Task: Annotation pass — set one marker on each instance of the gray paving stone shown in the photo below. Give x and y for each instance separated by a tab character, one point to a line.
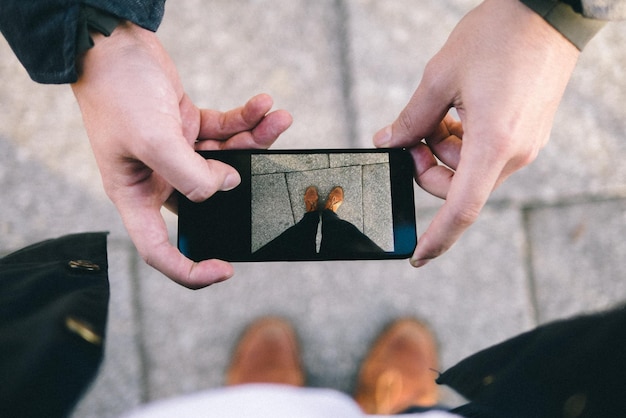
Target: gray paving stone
285	163
41	203
377	214
228	51
578	257
271	208
340	160
119	385
277	199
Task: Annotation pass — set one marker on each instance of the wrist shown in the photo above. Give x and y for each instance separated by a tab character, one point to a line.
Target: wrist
567	20
92	23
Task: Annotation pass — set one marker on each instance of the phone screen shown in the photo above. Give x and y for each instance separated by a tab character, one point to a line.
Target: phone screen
297	205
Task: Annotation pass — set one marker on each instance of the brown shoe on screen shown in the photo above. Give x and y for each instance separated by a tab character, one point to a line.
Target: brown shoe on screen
311	197
335	199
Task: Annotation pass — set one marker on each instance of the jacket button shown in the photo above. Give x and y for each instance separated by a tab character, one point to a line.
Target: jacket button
83	330
84	265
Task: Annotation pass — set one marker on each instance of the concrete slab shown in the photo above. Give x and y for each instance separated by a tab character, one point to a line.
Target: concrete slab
366	193
377	215
271	208
578	257
228	51
41	202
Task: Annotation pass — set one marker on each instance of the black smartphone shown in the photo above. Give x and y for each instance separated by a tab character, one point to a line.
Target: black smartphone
299	205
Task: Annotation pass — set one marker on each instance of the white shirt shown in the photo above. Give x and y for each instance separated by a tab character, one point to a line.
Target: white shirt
260	401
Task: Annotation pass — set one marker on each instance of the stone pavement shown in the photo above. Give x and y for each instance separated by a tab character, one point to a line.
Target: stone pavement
549	244
279	183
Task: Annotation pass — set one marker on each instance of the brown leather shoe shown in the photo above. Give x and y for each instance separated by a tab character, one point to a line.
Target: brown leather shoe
399	370
267	353
335	199
311	197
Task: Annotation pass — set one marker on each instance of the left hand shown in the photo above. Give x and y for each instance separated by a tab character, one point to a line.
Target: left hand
144	131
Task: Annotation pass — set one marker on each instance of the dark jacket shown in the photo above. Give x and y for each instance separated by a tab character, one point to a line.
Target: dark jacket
44	33
569	368
53	309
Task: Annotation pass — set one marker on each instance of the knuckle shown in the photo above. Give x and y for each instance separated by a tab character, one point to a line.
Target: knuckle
433	80
405	122
527	157
466	215
199	193
507	146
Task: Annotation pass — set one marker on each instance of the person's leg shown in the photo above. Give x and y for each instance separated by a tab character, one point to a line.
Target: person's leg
298	241
267	352
398	375
340	238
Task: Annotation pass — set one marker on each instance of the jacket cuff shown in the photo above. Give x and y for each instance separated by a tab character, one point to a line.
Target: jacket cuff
45	34
576	28
92	19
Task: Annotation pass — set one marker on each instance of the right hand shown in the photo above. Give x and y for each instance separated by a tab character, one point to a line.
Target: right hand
504	69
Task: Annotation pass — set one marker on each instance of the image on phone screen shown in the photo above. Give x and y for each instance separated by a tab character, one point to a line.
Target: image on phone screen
305	205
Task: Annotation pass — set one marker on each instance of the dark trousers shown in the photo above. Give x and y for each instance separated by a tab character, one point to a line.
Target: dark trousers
340	239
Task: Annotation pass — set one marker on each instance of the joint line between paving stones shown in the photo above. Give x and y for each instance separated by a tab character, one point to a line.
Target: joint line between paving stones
293	215
346	73
531	280
144	381
536	204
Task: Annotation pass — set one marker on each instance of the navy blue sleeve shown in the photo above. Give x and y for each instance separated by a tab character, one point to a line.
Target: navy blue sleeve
43	33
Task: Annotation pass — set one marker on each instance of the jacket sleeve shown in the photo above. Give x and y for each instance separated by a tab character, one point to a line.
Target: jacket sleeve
578	20
44	33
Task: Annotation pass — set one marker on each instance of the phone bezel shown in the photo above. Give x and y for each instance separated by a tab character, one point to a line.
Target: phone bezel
195	227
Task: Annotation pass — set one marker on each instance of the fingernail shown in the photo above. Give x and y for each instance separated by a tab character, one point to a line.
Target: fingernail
231	181
418	263
383	137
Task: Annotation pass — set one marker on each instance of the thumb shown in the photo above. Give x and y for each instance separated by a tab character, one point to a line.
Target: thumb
189	172
421	116
211	176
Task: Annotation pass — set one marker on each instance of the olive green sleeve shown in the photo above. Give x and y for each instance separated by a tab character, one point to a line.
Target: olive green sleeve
572	25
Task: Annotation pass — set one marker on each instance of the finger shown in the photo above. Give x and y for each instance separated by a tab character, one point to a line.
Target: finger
188	172
148	231
446	142
429	175
421	116
193	275
262	136
223	125
469	190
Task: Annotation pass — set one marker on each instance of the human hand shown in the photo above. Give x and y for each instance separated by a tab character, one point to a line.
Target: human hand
144	131
504	69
